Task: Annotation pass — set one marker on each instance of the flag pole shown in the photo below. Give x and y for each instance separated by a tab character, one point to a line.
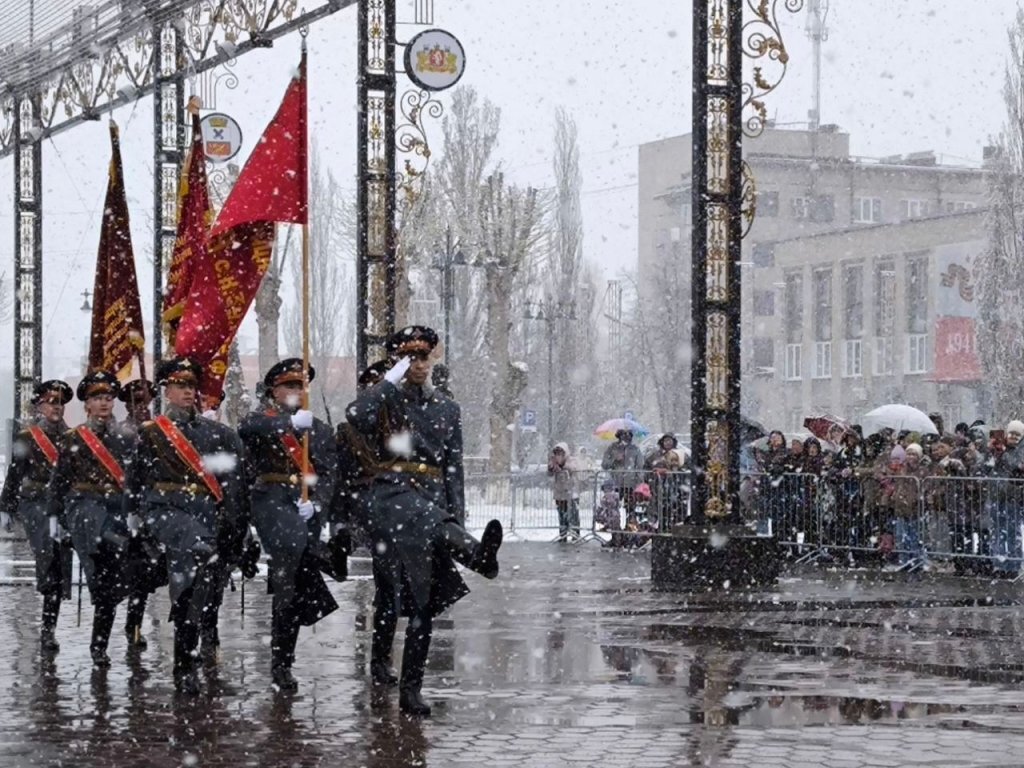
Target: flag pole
305	276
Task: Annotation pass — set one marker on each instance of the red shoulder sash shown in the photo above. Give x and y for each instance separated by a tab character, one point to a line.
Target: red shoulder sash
99	450
293	447
45	444
188	454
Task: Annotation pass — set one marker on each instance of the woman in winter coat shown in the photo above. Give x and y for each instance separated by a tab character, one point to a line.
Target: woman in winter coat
562	469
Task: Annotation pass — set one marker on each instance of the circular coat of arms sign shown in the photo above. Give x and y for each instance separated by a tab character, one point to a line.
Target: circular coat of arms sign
222	137
435	60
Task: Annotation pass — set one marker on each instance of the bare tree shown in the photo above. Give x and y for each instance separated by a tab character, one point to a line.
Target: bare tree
509	231
1001	268
331	289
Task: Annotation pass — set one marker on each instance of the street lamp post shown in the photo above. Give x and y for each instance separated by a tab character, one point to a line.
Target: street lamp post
445	262
548	312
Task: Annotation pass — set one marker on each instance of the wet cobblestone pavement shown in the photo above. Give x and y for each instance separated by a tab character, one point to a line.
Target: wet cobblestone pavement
570	658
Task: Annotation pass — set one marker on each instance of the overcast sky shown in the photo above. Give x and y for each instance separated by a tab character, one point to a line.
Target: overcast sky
899	76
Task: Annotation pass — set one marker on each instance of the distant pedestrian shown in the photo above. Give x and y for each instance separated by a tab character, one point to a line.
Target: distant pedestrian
625	462
563	470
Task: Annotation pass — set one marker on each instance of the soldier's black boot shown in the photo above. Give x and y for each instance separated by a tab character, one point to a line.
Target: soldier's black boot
186	678
385	617
480	556
283	637
47	634
414	662
102	624
133	622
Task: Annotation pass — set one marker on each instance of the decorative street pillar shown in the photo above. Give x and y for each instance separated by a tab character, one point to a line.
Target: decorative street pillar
717	241
376	184
714	547
28	250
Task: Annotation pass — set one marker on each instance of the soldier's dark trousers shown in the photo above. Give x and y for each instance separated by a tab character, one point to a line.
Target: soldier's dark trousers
385	619
188	616
133	621
284	634
211	616
102	624
51	610
417	647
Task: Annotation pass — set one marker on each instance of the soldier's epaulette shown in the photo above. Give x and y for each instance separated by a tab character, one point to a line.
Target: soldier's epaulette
147	423
71	432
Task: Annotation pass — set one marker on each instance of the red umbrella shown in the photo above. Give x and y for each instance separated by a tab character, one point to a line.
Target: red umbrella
827	427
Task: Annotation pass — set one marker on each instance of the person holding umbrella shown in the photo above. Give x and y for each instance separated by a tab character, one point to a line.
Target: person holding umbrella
624	460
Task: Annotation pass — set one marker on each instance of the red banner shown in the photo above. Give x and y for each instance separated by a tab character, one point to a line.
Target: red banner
117	334
194	216
273	183
223	287
956	350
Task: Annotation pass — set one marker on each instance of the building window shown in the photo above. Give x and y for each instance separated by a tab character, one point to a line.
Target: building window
917	353
885	298
916	209
883	356
764	254
794	307
802	208
767	204
794	361
822	305
917	295
764	303
853	301
852	358
959	206
867	210
822	359
764	353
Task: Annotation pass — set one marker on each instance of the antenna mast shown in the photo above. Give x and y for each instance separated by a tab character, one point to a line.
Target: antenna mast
817	13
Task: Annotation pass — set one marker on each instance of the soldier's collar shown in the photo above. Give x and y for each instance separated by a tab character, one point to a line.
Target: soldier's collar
179	414
426	389
99	427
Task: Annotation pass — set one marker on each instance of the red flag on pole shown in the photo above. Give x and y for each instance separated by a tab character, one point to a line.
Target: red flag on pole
194	218
272	185
271	188
117	332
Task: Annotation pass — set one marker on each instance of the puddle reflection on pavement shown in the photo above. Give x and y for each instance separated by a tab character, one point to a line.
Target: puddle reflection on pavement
571	658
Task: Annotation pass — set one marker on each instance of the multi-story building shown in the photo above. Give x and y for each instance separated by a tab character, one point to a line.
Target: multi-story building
843	271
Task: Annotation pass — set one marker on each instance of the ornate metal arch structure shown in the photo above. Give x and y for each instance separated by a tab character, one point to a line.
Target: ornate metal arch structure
91	59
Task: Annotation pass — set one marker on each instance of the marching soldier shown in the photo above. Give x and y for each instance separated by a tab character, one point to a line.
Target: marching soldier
137	396
86	498
186	486
34	455
415	508
289	527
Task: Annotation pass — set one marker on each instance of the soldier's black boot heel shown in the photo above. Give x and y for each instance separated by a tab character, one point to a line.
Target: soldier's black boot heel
102	624
381	674
411	702
133	623
47	635
480	556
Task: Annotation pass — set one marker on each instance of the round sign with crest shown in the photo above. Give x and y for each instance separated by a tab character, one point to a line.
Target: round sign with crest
435	60
222	137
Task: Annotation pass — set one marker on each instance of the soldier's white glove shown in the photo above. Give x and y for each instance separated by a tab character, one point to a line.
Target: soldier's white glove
5	521
211	415
134	524
56	532
398	371
306	510
302	420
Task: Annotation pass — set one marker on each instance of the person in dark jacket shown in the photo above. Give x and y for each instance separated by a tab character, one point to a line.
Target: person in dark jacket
33	457
186	487
85	497
625	462
413	440
289	521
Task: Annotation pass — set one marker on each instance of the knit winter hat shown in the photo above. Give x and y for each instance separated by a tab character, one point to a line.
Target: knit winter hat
1016	427
897	454
915	449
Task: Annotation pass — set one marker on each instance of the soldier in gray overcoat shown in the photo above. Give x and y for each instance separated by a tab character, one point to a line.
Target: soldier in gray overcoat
186	487
411	446
33	457
289	527
86	498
